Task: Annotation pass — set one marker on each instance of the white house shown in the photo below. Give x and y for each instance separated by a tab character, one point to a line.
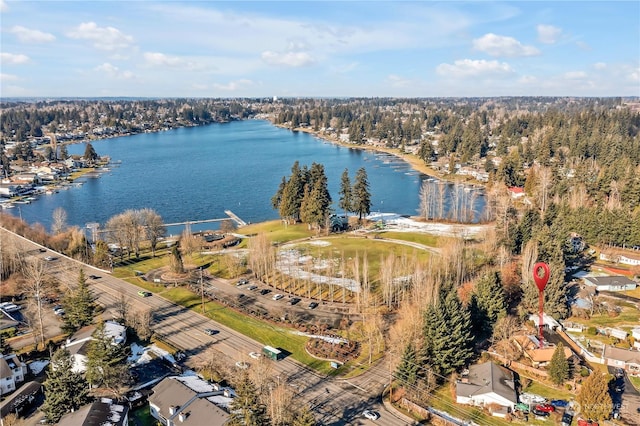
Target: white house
78	344
635	332
622	358
613	283
487	384
12	372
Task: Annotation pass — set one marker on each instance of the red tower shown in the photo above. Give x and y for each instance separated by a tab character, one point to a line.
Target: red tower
541	277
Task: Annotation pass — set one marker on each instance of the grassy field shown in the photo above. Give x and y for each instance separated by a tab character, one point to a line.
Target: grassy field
548	392
426	239
277	232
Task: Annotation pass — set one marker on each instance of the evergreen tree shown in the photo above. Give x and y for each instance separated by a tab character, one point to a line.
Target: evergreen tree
303	417
64	154
407	370
106	362
246	409
79	306
346	196
177	265
594	399
559	366
4	346
447	332
90	154
490	301
361	195
64	389
292	194
277	197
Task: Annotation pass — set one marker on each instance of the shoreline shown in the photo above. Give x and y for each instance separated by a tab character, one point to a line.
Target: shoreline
416	163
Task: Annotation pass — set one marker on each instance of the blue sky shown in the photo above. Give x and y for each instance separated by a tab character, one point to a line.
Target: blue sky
319	48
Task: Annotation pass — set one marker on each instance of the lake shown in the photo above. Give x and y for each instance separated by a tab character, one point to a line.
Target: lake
197	173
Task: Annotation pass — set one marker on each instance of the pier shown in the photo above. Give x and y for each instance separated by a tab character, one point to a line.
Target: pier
229	213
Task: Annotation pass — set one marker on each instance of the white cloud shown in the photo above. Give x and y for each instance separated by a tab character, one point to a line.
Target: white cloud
288	59
232	86
158	59
8	77
575	75
600	65
27	35
3	6
528	79
497	45
548	34
634	75
474	68
103	38
13	59
397	81
114	72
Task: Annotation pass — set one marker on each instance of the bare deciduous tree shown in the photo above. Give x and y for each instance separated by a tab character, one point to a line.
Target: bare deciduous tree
59	223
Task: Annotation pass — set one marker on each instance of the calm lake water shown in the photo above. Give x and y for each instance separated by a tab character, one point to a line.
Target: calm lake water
199	172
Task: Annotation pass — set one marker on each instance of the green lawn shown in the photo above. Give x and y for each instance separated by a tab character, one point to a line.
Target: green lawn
426	239
141	417
262	331
548	392
277	232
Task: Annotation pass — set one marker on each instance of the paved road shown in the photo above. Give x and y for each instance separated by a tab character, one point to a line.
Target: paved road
335	402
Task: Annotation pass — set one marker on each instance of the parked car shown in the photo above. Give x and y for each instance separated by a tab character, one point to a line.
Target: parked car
540	413
242	281
49	258
371	415
242	365
559	403
42	250
567	418
94	277
265	291
520	406
252	287
255	355
211	331
59	311
294	300
277	296
144	293
619	373
547	408
313	305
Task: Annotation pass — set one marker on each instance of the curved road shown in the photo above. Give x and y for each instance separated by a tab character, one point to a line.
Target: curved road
334	401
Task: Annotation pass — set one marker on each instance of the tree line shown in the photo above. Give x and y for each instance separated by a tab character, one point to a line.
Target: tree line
305	197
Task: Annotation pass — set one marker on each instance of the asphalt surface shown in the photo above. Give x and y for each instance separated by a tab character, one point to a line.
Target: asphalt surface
333	401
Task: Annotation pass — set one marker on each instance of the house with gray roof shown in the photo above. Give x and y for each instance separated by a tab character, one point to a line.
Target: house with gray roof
486	384
613	283
99	413
189	400
627	359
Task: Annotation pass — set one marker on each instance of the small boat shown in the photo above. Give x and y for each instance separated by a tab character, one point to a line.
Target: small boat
7	206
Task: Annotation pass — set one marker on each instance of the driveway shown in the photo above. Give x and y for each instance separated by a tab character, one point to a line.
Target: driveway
627	397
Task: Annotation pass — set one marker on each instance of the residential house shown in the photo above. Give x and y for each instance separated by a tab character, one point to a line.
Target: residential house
189	400
516	192
78	344
485	385
12	372
21	400
635	333
99	413
623	257
613	283
627	359
540	357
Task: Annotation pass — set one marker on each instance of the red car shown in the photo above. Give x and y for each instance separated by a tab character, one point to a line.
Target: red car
583	422
547	408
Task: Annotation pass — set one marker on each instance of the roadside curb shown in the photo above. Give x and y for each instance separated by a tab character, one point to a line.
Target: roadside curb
391	408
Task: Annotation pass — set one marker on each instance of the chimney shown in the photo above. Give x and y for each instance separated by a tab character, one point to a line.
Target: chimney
182	416
227	393
172	410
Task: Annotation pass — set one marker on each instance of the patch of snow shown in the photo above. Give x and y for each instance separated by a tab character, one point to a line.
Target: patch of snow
142	355
290	263
36	367
396	222
321	243
330	339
